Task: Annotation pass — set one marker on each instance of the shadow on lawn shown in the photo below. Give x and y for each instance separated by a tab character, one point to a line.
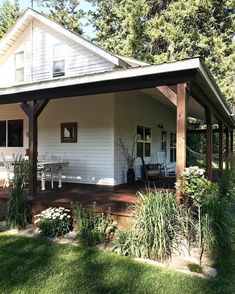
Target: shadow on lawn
21	259
30	265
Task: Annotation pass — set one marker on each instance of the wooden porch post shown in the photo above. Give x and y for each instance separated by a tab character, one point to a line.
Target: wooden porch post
221	126
208	117
33	109
227	149
181	121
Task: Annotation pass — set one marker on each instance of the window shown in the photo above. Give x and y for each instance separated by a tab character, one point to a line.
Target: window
143	141
164	141
19	67
172	147
58	60
68	132
11	133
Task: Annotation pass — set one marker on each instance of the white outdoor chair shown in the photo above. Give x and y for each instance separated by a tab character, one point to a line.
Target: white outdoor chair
8	161
168	168
56	171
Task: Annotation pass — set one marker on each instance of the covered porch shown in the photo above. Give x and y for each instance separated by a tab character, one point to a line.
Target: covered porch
178	83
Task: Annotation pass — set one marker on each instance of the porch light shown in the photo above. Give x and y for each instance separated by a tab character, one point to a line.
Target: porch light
161	126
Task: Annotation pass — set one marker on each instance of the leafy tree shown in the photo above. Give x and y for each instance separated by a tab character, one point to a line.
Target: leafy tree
163	30
65	13
9	12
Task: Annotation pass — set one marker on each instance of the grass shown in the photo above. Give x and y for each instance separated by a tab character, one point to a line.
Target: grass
30	265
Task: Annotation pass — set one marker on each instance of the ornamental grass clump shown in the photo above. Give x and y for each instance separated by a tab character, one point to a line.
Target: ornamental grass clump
155	225
54	222
18	213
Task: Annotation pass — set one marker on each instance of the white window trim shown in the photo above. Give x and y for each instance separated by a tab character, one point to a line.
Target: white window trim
20	67
53	60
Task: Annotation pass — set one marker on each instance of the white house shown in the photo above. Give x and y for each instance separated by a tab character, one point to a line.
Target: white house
106	96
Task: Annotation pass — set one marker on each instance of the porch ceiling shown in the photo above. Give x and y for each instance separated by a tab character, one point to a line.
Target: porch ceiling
192	70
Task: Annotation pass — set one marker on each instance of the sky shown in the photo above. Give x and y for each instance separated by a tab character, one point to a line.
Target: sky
88	30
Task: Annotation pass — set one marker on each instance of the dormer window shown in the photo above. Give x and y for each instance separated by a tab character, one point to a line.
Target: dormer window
19	67
58	60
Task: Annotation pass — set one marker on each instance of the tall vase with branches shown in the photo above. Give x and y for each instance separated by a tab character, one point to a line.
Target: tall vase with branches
129	153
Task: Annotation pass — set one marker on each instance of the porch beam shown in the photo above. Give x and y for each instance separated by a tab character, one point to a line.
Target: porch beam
41	104
168	93
208	117
199	95
220	148
32	109
181	119
99	87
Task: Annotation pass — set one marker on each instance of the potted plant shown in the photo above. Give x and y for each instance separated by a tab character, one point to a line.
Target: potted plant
129	153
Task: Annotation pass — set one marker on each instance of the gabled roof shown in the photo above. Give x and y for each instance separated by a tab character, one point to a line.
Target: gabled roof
13	34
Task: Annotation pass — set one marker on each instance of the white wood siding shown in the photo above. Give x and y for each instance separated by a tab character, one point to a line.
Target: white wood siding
91	158
37	42
134	108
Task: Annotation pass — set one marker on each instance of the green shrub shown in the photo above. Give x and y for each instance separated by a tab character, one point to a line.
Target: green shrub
160	225
122	243
211	214
54	222
17	210
93	227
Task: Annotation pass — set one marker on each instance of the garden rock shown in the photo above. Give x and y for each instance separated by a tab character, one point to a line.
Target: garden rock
210	272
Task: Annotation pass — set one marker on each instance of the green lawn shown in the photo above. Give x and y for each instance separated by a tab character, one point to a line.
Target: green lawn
30	265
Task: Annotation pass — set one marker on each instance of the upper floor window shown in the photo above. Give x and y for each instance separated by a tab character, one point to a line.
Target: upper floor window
58	60
11	133
19	67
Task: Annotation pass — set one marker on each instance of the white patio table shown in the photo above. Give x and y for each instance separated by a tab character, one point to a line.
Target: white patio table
51	166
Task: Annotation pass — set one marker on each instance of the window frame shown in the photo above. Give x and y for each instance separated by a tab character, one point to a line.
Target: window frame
144	141
172	147
19	67
164	141
73	126
59	59
7	133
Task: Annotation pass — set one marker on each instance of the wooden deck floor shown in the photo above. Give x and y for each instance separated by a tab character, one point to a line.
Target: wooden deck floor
119	198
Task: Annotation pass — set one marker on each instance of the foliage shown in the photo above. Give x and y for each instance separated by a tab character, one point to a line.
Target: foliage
54	222
194	183
154	225
122	243
159	31
9	12
65	13
93	227
228	180
18	211
210	211
129	152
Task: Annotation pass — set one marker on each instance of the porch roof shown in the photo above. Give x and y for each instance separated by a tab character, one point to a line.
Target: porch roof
192	70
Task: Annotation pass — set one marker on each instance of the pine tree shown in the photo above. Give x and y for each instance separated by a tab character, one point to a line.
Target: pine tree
163	30
66	13
9	12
